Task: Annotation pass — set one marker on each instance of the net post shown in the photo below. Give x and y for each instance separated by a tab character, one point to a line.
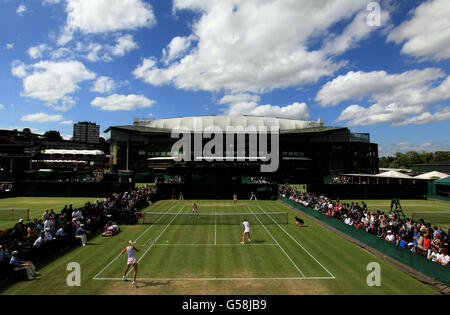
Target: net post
28	214
287	218
12	214
412	216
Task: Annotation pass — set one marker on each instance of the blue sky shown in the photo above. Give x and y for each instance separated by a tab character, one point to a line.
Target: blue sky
381	67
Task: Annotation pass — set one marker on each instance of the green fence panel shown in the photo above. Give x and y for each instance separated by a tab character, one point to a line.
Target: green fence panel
405	256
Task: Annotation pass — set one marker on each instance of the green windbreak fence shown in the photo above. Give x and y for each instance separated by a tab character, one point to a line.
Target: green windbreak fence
415	261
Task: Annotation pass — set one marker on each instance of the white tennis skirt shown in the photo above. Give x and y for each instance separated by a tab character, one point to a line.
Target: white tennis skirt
131	261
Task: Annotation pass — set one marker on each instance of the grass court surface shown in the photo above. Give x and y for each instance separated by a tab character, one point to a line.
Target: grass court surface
198	258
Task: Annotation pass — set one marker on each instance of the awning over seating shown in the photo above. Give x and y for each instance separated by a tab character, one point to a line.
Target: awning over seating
394	174
432	175
74	152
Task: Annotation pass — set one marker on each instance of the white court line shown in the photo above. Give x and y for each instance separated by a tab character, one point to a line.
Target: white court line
298	269
219	279
296	242
215	229
240	245
167	211
156	239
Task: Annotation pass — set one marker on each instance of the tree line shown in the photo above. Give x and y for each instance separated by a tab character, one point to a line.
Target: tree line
405	160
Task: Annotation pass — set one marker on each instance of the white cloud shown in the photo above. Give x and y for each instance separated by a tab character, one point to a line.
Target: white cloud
67	137
9	46
176	48
393	113
427	34
247	104
124	44
239	98
66	122
52	82
411	87
427	118
399	99
253	45
47	2
101	16
2	107
117	102
42	118
356	31
104	85
21	9
36	52
389	149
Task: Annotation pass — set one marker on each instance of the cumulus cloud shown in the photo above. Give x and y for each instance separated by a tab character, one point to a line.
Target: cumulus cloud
52	82
102	16
66	122
104	85
117	102
9	46
42	118
399	99
411	87
247	104
36	52
21	9
427	34
253	45
123	45
427	118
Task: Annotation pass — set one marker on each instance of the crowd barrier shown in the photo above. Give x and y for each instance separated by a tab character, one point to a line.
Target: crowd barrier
404	256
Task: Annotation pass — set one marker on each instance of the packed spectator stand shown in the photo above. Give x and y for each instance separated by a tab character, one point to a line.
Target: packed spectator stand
419	237
53	233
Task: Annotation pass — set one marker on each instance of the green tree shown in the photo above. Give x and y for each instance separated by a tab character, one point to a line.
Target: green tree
52	135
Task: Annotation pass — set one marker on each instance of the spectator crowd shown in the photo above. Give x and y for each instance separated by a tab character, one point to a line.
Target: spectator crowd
53	232
419	237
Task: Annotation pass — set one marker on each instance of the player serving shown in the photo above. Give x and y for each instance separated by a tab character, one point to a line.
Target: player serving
194	210
132	260
246	226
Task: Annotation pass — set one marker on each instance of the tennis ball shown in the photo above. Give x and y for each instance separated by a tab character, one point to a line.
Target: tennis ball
167	241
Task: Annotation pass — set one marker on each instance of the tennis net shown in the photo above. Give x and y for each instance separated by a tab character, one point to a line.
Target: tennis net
164	218
12	214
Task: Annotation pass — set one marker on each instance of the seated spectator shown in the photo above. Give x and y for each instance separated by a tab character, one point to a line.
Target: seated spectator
390	237
444	258
47	235
40	240
81	234
28	266
4	254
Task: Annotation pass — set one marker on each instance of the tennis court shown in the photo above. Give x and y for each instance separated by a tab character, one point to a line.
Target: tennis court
209	246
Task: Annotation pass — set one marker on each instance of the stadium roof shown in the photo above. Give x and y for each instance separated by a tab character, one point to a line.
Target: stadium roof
432	175
167	125
393	174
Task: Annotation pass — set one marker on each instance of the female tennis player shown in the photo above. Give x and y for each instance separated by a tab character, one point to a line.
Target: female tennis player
194	210
132	260
234	199
246	226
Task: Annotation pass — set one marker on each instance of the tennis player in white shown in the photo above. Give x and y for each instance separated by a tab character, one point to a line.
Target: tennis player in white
194	210
132	260
246	226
